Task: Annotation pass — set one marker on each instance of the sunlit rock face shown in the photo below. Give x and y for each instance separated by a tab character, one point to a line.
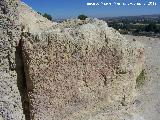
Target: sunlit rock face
78	69
31	21
10	99
74	70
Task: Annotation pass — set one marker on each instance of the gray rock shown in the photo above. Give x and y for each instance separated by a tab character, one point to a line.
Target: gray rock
10	99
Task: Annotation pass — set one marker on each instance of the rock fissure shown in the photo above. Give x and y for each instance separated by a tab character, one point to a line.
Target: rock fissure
21	80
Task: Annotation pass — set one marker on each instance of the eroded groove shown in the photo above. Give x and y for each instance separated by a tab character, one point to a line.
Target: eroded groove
21	81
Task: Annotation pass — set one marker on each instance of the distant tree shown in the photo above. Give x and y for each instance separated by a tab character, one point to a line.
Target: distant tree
82	17
136	31
139	29
151	27
157	30
49	17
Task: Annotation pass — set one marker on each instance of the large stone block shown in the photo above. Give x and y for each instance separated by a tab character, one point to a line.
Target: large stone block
74	72
10	99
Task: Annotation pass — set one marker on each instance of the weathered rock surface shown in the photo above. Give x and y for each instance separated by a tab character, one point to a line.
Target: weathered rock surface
77	70
10	31
147	103
32	21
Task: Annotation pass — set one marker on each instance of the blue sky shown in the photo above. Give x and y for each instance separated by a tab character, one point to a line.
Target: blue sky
72	8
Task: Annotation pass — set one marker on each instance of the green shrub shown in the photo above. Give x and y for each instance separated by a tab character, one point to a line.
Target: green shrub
39	13
141	79
49	17
46	15
82	17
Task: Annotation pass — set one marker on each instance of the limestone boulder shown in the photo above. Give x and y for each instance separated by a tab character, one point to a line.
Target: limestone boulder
76	70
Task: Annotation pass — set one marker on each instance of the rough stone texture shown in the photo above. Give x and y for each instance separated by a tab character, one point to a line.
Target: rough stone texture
10	99
75	70
32	21
79	69
147	102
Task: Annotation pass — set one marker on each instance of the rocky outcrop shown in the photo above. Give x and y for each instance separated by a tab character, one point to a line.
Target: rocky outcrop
10	31
77	70
32	21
